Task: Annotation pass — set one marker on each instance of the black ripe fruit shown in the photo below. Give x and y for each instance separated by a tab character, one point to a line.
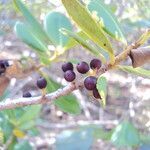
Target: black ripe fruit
2	67
96	93
90	83
27	94
95	64
41	83
83	67
69	75
67	66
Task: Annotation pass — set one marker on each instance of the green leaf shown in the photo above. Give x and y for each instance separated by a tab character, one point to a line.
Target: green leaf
75	140
31	112
29	38
110	23
84	43
137	71
53	22
23	145
145	138
35	26
89	26
125	134
72	42
27	125
67	103
100	133
102	88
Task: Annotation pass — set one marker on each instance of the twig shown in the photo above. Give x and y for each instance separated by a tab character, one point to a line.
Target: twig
10	104
77	124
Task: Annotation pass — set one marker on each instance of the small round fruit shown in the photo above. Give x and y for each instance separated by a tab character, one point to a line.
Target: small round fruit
41	83
95	64
27	94
96	93
6	63
67	66
69	75
90	83
2	67
83	67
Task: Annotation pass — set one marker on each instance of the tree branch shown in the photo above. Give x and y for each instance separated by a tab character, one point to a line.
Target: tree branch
11	104
20	102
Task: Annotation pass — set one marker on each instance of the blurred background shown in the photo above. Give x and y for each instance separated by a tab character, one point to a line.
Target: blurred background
95	128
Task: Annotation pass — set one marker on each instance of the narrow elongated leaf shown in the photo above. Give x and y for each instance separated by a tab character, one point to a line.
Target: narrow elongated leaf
110	23
89	26
52	23
32	21
85	44
125	134
67	103
72	42
137	71
28	37
102	88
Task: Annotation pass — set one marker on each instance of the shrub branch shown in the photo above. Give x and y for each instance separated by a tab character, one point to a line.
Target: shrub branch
48	98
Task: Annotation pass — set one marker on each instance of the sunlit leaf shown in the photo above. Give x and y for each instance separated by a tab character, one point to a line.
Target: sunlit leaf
52	23
72	42
84	43
89	26
137	71
102	88
110	23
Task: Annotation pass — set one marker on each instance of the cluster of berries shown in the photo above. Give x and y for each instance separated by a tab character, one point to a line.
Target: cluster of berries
3	65
83	68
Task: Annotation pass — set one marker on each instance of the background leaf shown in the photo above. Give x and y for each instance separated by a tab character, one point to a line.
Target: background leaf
67	103
53	22
137	71
111	25
31	112
102	88
125	134
85	21
75	140
32	21
23	145
29	38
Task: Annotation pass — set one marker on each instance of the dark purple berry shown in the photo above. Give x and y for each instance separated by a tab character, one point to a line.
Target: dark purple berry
41	83
6	63
67	66
83	67
96	93
27	94
95	64
69	75
2	67
90	83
